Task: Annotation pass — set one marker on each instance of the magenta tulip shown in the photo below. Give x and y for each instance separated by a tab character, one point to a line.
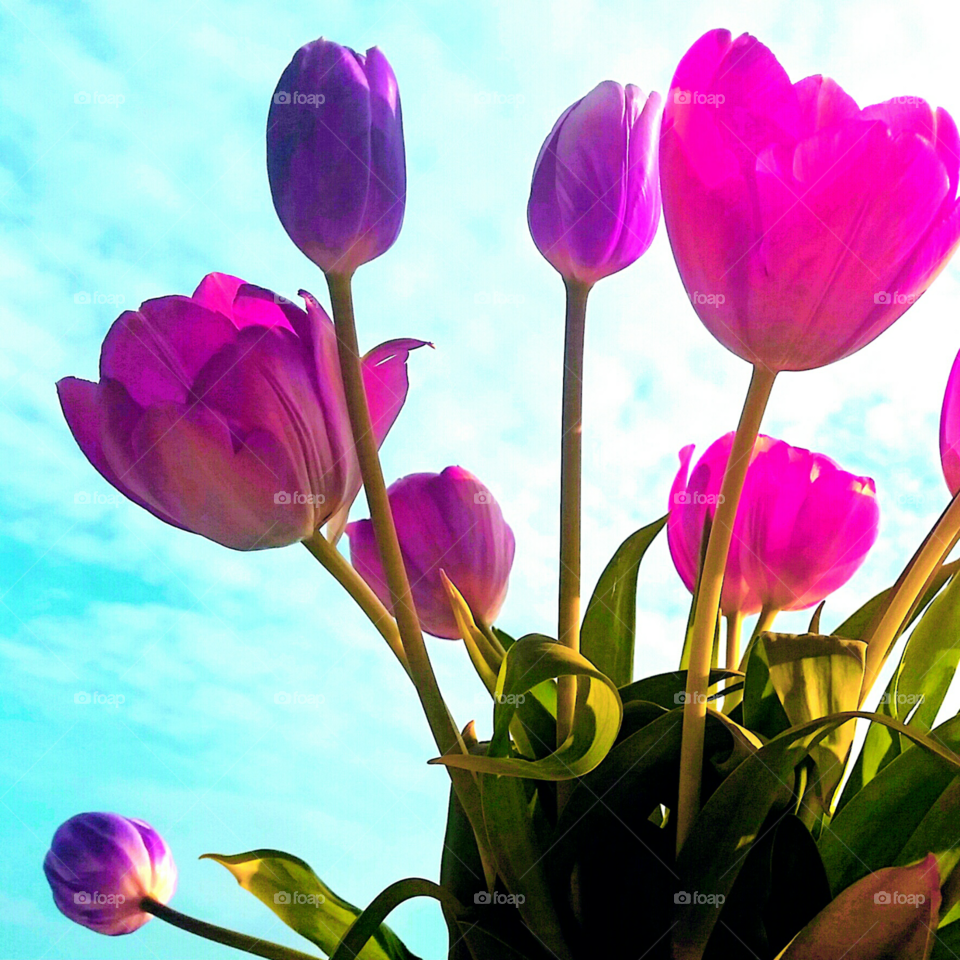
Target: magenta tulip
950	430
223	413
447	521
803	525
100	866
595	199
802	225
807	526
335	155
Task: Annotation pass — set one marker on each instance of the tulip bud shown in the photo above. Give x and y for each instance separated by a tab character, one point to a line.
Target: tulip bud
100	866
335	155
224	413
802	225
450	522
803	526
950	430
595	199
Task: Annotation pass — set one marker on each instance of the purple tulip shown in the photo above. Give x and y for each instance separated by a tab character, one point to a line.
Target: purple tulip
802	225
335	155
803	526
447	521
950	430
100	866
223	413
595	199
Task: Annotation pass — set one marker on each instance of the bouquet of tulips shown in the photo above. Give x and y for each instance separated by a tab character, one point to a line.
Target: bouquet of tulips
713	812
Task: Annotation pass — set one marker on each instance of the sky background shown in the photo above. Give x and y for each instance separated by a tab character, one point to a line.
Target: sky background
158	178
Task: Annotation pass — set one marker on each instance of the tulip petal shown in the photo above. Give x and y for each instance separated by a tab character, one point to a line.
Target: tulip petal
386	382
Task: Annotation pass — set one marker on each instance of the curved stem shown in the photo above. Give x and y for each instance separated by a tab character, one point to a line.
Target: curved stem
358	588
708	600
442	726
229	938
734	626
908	588
765	621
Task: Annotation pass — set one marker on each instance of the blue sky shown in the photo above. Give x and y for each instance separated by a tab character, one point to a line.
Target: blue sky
131	164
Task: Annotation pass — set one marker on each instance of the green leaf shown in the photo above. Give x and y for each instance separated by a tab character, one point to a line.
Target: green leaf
610	624
461	871
919	685
762	709
669	689
305	903
370	922
872	830
518	833
816	676
731	820
598	712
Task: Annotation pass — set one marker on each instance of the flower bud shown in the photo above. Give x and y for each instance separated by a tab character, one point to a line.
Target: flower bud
100	866
335	155
595	199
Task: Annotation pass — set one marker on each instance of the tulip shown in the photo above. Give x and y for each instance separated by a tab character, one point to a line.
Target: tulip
807	526
100	867
803	526
335	155
950	430
595	199
223	413
802	225
447	521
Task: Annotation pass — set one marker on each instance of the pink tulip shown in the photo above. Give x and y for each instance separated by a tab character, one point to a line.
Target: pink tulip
223	413
802	225
807	526
595	199
447	521
803	525
950	430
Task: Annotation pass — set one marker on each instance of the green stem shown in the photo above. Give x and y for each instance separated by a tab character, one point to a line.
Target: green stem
708	601
229	938
906	591
734	626
765	621
358	588
568	629
442	726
